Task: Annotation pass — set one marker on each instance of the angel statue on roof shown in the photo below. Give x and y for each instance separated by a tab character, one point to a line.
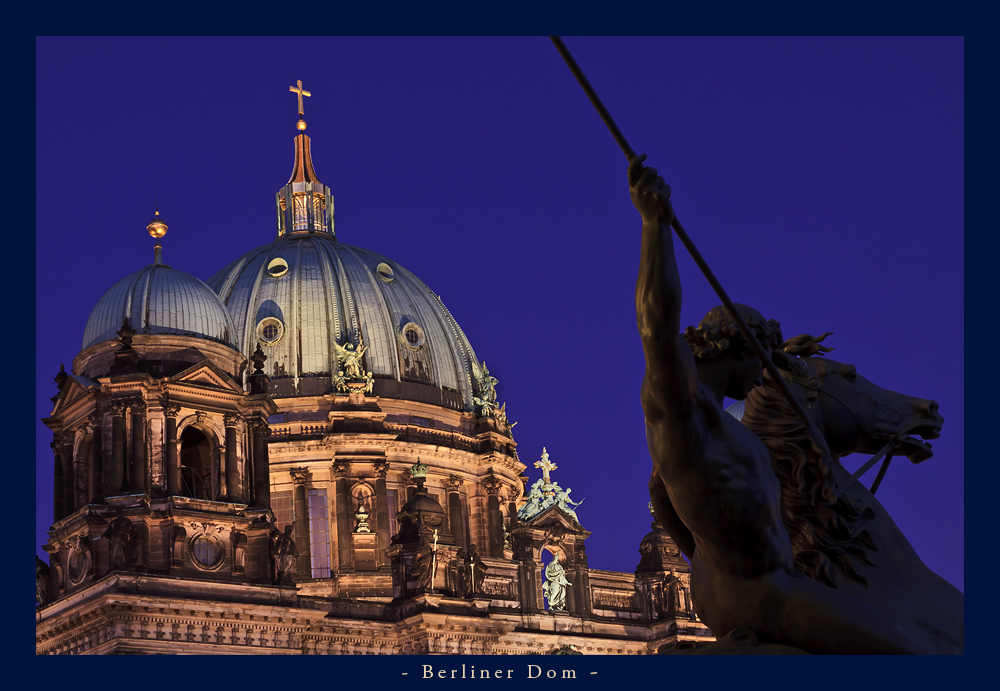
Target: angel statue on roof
349	367
487	399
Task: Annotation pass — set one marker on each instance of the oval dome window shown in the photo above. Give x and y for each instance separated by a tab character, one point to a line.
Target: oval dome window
270	331
277	267
384	272
412	336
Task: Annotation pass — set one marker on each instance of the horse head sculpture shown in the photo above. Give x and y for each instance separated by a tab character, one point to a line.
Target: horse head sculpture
857	416
841	534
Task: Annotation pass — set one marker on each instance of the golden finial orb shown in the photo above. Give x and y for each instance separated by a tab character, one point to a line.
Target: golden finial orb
301	124
157	228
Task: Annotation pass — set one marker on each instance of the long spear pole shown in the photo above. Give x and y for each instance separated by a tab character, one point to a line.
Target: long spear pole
689	245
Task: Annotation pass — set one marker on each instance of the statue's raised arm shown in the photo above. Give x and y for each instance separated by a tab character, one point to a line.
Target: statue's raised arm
713	487
671	379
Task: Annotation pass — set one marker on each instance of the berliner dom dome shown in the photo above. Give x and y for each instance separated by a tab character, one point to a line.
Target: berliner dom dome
307	295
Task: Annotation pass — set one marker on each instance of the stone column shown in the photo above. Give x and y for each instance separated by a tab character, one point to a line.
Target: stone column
528	572
97	459
345	555
137	478
261	466
116	480
247	487
581	582
455	524
170	412
233	493
381	512
494	518
58	508
300	531
69	495
573	576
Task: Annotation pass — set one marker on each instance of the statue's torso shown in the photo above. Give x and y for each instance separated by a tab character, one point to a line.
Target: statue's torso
719	478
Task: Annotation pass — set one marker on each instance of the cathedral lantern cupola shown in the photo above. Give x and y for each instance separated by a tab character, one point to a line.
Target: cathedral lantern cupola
304	204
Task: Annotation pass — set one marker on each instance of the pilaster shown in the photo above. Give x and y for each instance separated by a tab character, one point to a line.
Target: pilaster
341	471
97	457
232	422
138	478
170	412
300	504
381	510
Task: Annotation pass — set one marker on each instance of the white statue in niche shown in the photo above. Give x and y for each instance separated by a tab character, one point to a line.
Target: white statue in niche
555	584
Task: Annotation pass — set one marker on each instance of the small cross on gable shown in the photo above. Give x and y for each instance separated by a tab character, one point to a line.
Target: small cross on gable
547	466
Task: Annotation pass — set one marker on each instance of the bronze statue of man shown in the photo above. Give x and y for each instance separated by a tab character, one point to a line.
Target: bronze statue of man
283	554
475	570
712	487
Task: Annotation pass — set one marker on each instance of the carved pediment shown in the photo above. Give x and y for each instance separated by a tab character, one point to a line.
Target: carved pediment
554	519
207	373
73	390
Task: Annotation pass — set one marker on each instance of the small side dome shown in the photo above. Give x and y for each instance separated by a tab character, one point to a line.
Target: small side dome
659	551
161	300
420	514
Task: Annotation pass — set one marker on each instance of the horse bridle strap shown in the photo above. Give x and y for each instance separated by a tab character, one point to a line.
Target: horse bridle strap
868	466
813	387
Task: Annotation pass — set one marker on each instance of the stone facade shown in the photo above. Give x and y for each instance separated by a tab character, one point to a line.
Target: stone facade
164	600
204	508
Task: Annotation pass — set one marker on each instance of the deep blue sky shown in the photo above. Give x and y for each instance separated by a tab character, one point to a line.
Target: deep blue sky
822	179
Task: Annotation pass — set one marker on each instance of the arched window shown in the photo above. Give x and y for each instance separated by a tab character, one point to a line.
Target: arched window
196	464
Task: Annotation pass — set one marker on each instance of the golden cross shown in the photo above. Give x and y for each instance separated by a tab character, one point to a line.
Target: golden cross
546	465
300	92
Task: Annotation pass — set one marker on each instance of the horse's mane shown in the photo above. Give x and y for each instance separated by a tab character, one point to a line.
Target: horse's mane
822	526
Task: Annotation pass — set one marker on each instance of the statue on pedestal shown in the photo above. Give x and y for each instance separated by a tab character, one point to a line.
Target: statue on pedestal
487	398
283	553
350	375
475	571
120	533
555	584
